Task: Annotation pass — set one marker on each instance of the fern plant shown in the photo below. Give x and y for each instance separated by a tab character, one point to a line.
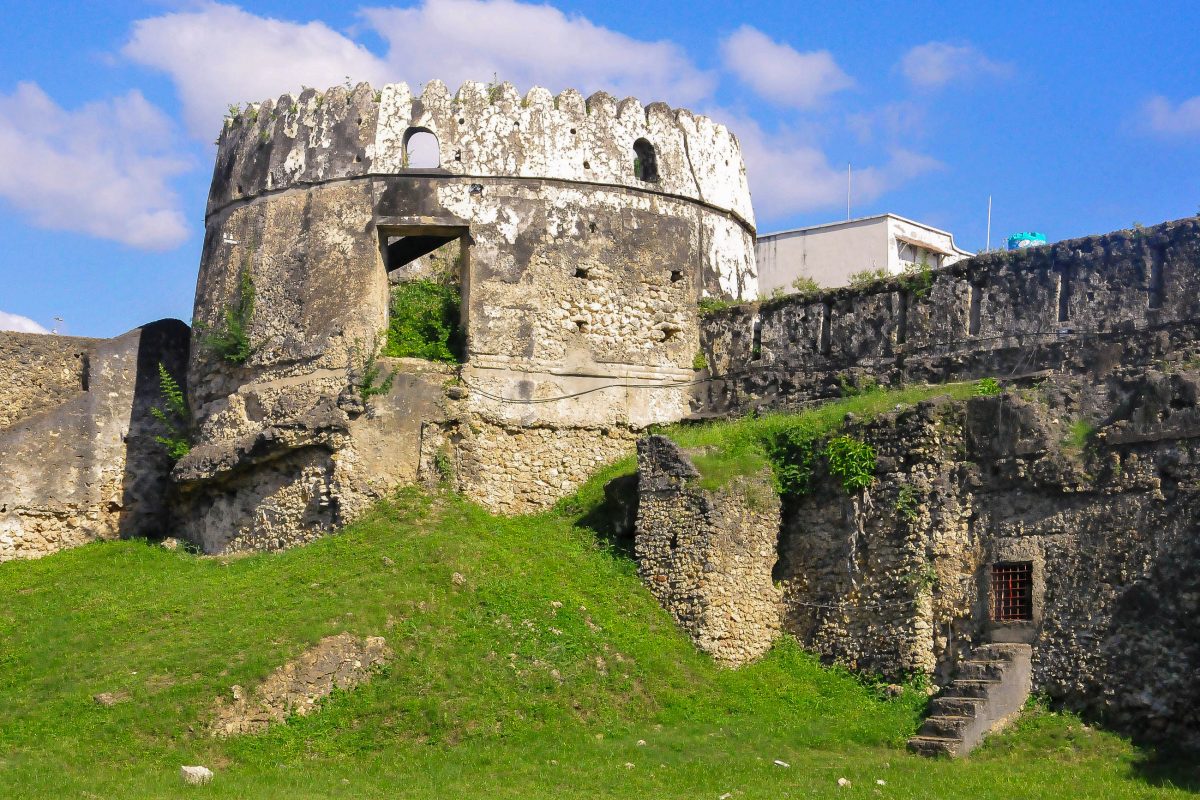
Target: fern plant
174	416
230	337
369	384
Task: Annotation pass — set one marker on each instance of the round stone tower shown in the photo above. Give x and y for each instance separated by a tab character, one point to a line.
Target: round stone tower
583	232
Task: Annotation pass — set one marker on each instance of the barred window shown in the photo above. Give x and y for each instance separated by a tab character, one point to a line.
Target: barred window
1012	591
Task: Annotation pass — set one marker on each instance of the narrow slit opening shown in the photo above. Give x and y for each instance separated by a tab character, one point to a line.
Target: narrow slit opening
824	344
1157	282
974	315
1064	295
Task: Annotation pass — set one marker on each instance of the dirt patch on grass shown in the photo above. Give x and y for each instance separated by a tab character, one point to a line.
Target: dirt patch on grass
336	662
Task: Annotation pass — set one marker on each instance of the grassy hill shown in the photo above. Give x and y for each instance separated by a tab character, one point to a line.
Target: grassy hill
496	690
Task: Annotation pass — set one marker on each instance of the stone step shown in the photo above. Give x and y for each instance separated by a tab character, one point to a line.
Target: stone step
945	727
956	706
1000	652
980	670
969	688
934	746
987	689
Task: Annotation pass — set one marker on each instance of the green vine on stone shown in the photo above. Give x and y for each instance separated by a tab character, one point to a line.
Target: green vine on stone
923	579
495	90
792	453
867	277
906	503
174	416
852	462
444	466
711	305
918	280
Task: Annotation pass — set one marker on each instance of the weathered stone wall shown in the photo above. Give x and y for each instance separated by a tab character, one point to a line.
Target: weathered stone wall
89	467
579	279
858	570
707	555
38	372
519	470
897	578
1126	298
297	478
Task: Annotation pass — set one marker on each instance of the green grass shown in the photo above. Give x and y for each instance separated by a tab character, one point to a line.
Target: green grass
494	692
423	322
747	445
1079	433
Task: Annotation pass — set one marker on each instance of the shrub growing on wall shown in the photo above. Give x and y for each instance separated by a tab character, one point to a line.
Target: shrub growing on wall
424	322
852	462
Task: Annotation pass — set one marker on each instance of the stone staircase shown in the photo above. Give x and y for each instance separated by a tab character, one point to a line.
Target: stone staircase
986	692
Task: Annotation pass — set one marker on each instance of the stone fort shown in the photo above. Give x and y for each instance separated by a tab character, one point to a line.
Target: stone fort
589	241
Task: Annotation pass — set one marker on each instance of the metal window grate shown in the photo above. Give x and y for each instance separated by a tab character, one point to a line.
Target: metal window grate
1012	591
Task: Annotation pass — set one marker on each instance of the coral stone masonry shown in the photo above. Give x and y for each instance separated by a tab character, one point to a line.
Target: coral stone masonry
547	257
579	272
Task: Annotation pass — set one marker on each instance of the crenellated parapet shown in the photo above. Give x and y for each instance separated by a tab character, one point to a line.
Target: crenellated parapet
484	131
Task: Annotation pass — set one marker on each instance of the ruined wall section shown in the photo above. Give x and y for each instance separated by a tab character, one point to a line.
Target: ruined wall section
901	582
40	371
884	580
707	554
89	468
1124	299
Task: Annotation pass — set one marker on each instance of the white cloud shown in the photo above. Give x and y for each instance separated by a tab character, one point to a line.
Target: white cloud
1163	117
219	54
779	73
458	40
935	64
102	169
15	322
789	175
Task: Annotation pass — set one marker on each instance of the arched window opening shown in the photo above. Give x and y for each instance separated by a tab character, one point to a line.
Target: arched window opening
421	149
645	161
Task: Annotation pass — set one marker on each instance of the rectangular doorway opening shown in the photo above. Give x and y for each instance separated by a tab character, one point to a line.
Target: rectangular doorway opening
428	269
424	252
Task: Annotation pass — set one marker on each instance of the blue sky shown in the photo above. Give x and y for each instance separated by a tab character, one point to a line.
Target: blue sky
1076	117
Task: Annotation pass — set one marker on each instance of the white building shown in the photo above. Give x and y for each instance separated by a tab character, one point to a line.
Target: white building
831	253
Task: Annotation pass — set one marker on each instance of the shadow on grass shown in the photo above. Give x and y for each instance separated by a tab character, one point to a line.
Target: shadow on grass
1166	768
613	520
